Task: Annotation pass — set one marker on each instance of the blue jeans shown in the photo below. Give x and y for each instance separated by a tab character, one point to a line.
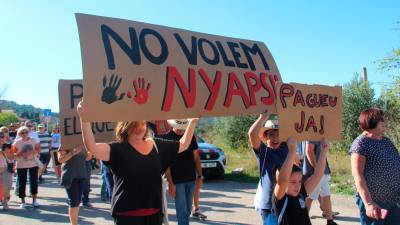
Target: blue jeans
393	216
269	218
107	183
183	201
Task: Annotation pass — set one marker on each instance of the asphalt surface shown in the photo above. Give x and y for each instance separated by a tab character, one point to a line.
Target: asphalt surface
224	202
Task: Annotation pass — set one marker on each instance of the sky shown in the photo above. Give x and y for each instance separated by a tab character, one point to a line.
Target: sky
324	42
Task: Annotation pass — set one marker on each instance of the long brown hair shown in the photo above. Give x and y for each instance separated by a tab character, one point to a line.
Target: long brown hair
123	129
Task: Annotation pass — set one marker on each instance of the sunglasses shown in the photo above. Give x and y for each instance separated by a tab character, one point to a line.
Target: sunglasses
23	132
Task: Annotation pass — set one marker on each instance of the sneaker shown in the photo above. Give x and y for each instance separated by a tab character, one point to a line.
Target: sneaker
331	222
22	206
5	206
87	205
35	204
198	214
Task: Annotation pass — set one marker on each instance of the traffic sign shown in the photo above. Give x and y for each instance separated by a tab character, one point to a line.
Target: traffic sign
47	112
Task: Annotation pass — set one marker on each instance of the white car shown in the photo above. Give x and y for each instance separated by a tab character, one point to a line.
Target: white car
213	160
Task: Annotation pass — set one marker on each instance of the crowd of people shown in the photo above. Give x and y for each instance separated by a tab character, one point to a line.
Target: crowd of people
292	175
28	148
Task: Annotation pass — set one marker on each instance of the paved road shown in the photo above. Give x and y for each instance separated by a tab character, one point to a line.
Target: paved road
224	202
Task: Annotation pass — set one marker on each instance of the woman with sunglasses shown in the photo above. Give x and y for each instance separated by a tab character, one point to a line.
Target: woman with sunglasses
6	135
26	150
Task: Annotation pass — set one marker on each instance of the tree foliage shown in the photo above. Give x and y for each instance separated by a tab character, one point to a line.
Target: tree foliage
391	95
357	96
6	118
234	130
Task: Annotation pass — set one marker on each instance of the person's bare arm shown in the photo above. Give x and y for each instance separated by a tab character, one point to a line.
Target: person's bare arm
310	154
99	150
89	156
65	155
197	164
254	139
357	169
49	145
37	148
311	183
171	185
186	139
283	176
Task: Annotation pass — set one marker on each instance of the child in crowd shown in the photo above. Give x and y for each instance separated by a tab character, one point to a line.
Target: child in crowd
290	192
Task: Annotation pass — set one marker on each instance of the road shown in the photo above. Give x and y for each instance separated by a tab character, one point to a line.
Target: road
224	202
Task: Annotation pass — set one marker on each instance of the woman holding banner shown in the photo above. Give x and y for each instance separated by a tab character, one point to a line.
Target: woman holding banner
375	164
137	163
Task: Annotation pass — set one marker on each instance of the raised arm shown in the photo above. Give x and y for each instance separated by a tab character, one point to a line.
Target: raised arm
319	169
310	154
186	139
171	185
254	139
99	150
283	176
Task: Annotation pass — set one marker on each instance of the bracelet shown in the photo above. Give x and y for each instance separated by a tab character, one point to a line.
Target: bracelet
200	177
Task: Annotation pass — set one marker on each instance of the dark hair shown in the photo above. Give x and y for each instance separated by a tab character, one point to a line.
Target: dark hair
296	169
370	118
5	146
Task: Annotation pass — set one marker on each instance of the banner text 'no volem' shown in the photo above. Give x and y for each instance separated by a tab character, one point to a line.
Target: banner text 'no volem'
140	71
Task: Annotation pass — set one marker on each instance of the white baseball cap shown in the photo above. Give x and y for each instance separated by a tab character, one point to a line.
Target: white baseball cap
180	124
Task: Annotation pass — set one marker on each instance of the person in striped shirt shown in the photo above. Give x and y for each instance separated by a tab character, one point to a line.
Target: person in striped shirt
45	146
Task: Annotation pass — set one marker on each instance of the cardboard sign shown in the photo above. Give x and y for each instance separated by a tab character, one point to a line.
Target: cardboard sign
309	112
139	71
70	93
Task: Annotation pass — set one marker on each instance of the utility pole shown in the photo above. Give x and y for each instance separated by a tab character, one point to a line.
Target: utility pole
365	78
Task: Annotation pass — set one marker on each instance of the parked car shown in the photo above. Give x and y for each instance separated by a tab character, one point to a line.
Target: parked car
213	160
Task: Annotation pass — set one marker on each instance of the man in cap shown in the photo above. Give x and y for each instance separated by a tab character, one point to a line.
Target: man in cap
270	153
181	175
45	147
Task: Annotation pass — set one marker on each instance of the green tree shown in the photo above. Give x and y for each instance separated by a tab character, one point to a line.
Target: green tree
391	95
357	96
233	130
391	105
6	118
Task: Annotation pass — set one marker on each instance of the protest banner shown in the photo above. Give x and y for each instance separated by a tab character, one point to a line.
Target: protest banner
70	93
309	112
139	71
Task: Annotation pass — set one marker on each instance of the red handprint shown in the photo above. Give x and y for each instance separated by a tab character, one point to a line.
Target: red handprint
142	93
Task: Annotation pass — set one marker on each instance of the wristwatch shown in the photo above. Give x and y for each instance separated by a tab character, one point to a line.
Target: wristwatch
200	177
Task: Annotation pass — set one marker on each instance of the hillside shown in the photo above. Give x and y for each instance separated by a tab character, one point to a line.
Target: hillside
24	111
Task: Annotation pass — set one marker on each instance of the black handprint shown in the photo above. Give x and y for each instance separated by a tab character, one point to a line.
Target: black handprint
109	93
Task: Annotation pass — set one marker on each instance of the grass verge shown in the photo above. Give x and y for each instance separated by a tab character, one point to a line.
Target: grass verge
341	181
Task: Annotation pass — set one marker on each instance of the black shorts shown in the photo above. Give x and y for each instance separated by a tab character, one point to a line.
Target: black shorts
45	158
75	192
